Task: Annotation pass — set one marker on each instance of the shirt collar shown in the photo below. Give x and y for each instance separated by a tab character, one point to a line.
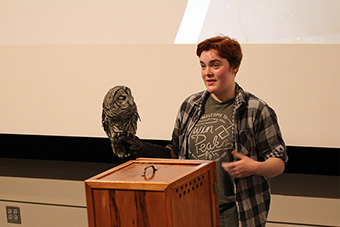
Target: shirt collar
239	97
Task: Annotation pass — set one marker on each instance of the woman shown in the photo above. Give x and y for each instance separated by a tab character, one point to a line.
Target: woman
233	127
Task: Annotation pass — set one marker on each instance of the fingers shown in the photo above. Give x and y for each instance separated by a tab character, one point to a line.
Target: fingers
243	167
233	167
230	167
225	166
237	155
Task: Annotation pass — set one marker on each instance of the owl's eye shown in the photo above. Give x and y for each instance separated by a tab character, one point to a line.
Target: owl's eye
122	97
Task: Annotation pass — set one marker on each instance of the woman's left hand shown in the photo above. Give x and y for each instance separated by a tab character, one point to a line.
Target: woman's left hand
244	167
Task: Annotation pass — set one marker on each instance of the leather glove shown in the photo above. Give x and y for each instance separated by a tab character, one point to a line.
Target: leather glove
138	148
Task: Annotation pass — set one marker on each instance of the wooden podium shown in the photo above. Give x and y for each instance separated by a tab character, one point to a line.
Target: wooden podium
155	193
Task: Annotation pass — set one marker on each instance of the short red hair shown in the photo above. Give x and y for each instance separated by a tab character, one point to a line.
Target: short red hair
226	48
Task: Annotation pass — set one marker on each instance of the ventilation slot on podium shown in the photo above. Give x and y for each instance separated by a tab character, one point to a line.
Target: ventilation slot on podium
190	186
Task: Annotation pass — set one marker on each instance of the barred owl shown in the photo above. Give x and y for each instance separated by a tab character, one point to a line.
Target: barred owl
119	117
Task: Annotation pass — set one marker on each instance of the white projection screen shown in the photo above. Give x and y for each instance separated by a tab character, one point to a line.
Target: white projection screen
59	58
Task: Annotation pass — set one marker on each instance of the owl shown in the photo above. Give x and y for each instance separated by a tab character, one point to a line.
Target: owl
119	117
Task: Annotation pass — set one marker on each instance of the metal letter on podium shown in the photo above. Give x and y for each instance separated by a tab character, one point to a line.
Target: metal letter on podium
154	192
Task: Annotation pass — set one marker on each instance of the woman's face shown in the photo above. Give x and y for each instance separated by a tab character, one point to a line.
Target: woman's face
218	76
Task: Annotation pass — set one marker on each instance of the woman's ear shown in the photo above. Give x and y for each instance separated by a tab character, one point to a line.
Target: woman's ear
235	70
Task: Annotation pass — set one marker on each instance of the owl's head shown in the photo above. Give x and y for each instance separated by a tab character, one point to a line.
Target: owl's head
119	96
119	104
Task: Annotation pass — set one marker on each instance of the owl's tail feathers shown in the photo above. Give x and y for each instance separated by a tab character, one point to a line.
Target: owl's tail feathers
138	148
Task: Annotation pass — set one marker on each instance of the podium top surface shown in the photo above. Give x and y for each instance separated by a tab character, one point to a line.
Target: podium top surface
146	174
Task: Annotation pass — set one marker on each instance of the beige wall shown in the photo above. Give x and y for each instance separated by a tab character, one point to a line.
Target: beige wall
55	203
58	89
44	202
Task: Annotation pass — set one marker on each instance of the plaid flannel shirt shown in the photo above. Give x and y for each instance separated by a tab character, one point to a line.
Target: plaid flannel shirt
256	133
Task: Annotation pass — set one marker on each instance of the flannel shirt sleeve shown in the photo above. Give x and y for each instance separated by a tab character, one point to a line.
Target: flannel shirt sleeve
270	143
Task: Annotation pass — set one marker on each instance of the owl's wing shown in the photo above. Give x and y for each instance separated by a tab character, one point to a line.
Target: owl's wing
105	123
136	117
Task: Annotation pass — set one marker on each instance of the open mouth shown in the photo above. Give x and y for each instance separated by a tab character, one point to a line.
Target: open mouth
210	82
